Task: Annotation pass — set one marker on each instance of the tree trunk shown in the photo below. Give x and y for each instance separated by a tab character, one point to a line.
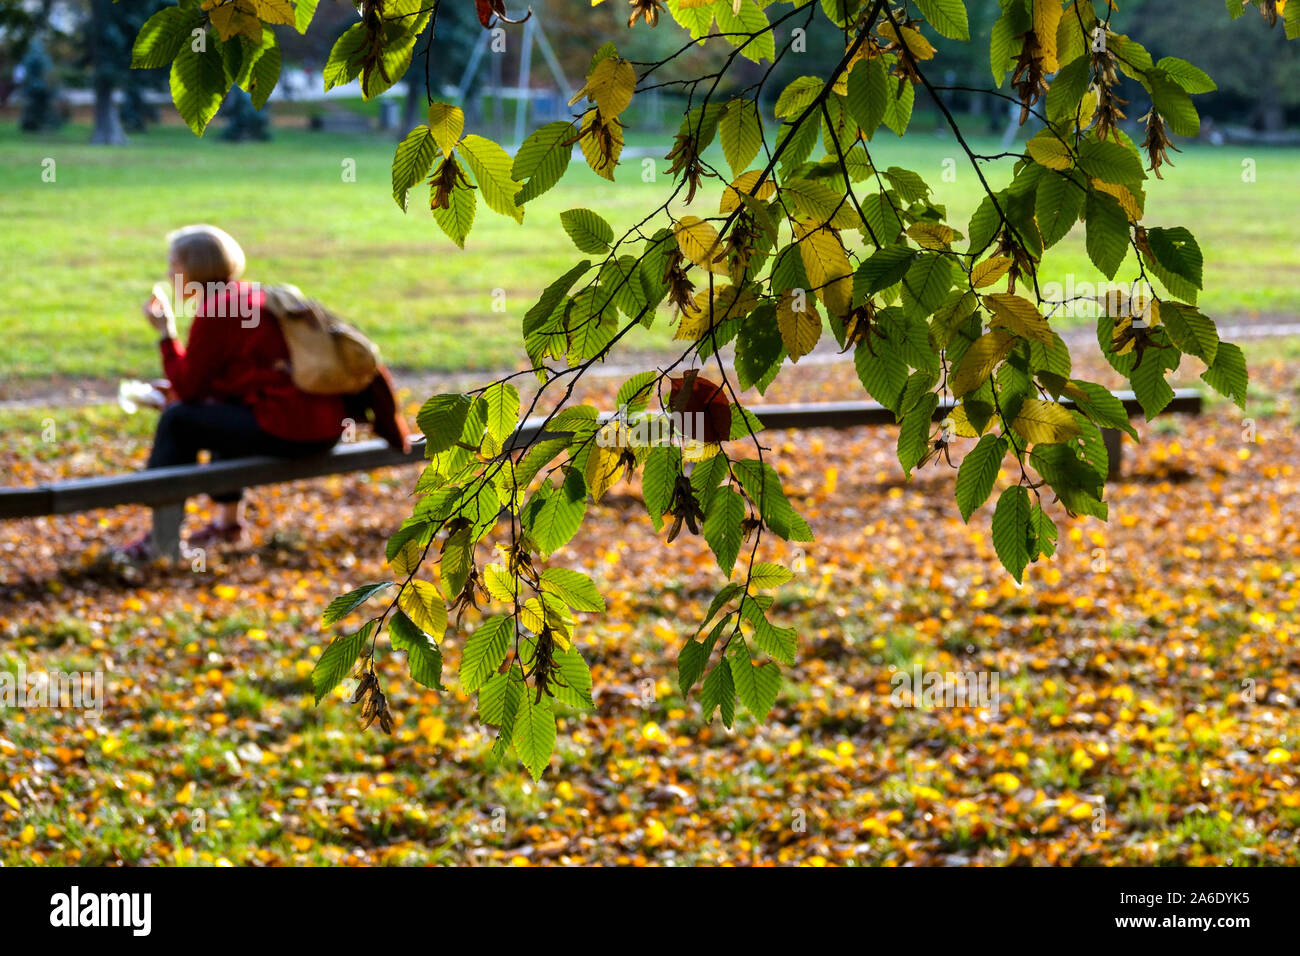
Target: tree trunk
1269	112
108	124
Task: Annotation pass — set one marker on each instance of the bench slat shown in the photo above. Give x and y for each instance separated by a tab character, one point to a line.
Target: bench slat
163	486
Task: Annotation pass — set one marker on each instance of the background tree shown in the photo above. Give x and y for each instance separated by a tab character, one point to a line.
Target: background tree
789	232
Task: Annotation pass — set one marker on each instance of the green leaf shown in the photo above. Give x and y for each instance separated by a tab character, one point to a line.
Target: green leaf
491	166
442	420
1057	205
485	652
338	660
1043	529
914	435
199	84
722	520
1110	161
1191	331
759	348
499	699
534	733
1228	375
763	486
345	604
553	515
1191	78
589	232
881	370
542	159
742	134
259	80
634	395
576	676
758	686
744	25
573	588
777	642
926	284
948	17
898	111
883	268
502	401
423	658
1173	103
978	472
412	162
1107	232
1176	251
868	94
303	12
457	217
344	62
765	574
1103	407
163	35
719	692
1067	89
1011	530
692	659
1148	380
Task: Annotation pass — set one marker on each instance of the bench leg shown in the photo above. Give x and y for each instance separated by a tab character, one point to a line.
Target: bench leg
1114	439
167	530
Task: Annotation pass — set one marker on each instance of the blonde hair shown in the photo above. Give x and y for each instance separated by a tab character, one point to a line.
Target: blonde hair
206	253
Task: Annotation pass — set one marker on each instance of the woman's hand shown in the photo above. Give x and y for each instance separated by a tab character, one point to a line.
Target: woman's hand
158	312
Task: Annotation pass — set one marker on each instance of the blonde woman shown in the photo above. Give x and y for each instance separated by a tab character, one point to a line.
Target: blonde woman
235	397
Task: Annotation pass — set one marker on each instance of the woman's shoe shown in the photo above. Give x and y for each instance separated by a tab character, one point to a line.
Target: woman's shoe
139	551
214	533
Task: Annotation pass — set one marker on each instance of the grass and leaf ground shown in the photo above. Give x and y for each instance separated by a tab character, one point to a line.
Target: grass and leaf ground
81	253
1148	675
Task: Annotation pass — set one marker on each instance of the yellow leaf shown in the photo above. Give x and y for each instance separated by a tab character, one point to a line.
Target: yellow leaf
1047	18
275	11
1087	107
931	235
916	44
800	323
989	271
1127	201
699	242
405	560
1019	315
424	606
827	266
1046	149
1041	422
601	147
235	19
959	424
603	468
609	86
500	583
731	196
447	123
979	361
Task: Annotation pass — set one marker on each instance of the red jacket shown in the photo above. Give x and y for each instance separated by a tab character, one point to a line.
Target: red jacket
227	362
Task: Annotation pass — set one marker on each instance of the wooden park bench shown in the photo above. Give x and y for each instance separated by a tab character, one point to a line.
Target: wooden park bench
166	489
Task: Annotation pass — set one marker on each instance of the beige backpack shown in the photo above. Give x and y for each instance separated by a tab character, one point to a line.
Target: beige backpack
326	355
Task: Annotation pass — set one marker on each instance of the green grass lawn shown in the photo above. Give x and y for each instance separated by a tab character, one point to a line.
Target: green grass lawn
81	253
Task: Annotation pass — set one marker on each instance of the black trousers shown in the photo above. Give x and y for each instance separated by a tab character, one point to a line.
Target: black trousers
226	431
